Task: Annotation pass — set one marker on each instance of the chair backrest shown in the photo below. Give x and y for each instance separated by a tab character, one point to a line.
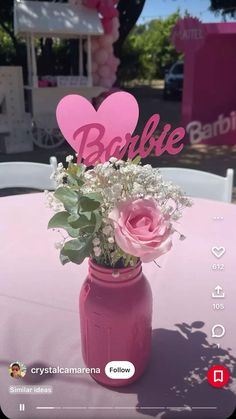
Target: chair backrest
28	175
201	184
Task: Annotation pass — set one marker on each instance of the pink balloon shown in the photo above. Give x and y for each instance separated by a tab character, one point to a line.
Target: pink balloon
91	4
106	83
115	34
117	62
115	23
94	67
96	79
111	61
94	44
105	41
107	25
107	9
113	78
101	56
109	49
104	71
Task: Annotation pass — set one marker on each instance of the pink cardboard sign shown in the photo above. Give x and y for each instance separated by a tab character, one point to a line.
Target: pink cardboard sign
209	85
188	32
97	135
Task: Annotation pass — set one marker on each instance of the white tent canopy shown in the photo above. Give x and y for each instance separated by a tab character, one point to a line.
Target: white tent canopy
47	19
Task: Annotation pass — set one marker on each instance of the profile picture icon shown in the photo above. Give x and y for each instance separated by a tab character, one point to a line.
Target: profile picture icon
17	369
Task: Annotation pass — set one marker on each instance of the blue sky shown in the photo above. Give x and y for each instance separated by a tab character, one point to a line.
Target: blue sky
154	9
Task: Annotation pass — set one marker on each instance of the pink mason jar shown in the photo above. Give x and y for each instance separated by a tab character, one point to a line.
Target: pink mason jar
115	319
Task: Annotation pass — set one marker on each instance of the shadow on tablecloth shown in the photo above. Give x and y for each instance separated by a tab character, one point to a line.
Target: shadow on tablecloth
176	376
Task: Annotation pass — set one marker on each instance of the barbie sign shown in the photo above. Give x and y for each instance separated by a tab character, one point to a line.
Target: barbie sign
223	125
208	100
98	135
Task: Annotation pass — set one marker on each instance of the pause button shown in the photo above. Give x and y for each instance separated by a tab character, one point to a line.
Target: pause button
21	407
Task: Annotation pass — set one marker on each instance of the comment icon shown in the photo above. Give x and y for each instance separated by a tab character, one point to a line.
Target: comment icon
217	331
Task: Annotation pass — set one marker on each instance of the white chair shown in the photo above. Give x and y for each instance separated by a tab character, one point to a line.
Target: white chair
28	175
201	184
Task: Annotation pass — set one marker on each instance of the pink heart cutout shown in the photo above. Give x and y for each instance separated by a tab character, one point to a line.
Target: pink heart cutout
118	113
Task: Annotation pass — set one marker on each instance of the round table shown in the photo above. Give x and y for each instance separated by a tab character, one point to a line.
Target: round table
40	321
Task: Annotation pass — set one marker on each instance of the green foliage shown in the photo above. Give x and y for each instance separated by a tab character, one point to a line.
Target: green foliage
76	250
81	219
68	197
89	222
60	220
89	202
137	159
148	52
225	7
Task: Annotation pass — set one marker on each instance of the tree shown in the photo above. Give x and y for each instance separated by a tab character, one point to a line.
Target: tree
129	12
148	52
225	7
6	20
13	49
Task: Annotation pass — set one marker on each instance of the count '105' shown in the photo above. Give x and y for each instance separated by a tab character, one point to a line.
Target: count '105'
218	306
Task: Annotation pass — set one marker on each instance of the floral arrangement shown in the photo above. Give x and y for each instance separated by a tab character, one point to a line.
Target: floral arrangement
116	213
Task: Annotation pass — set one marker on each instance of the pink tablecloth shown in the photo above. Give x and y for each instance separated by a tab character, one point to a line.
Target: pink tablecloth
40	323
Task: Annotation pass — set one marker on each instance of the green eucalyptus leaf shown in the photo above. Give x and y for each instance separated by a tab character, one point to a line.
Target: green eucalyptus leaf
71	180
59	220
74	173
68	197
86	224
77	250
90	202
64	259
72	219
95	195
73	232
98	217
136	160
88	214
79	221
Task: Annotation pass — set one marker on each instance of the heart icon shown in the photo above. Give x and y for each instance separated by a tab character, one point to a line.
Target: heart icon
116	116
218	251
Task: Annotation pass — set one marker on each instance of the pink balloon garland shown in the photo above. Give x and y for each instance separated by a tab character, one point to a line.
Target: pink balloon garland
104	63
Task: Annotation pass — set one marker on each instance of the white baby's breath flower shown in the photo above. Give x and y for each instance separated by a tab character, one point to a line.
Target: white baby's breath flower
107	230
69	158
117	188
59	245
176	215
111	240
113	160
96	241
138	189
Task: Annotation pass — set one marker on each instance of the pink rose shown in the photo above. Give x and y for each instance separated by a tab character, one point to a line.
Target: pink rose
141	229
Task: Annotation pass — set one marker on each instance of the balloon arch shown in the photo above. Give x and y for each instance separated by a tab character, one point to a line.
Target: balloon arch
104	63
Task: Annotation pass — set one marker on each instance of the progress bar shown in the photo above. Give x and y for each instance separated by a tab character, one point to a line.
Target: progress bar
126	407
